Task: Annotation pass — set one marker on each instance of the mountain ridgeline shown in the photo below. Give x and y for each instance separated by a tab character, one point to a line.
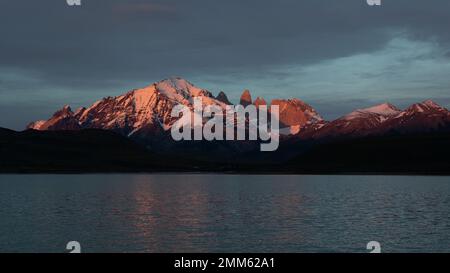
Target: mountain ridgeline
377	139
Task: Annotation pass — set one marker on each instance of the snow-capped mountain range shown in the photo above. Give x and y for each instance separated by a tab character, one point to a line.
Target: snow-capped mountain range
145	113
140	111
384	119
148	110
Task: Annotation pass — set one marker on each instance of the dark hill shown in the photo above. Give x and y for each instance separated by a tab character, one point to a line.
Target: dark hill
394	154
75	151
105	151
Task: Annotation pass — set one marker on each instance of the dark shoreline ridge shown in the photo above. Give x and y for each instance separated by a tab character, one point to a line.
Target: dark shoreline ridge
102	151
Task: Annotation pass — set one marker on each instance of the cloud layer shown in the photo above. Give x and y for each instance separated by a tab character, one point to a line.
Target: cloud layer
336	55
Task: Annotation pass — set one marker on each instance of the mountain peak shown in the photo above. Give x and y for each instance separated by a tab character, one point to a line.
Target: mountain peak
385	109
67	107
176	82
431	104
382	111
425	106
62	119
175	89
259	101
64	112
294	112
222	97
179	85
246	98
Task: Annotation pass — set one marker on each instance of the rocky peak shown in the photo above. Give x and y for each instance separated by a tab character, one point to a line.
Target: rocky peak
176	85
259	101
66	111
291	114
294	112
246	98
384	110
222	97
427	106
62	119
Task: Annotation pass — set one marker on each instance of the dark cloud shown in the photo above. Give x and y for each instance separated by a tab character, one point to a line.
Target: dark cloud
82	52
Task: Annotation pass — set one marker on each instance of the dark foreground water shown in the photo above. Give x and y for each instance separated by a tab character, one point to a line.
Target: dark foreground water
224	213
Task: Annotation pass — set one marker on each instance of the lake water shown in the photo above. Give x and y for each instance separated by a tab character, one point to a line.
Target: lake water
224	213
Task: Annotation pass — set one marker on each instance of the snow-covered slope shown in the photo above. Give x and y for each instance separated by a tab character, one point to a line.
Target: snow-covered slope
146	109
426	116
383	119
379	112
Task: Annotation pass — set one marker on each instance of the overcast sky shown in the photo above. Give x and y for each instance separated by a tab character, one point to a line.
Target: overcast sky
334	55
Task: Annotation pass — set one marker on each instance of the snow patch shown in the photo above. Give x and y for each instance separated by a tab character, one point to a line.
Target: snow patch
37	125
385	110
